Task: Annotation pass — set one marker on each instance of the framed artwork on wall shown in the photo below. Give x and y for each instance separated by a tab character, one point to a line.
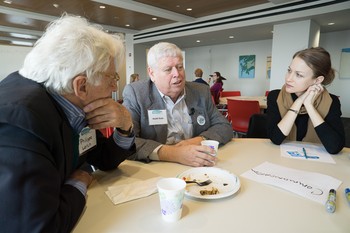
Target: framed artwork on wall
246	67
344	71
268	67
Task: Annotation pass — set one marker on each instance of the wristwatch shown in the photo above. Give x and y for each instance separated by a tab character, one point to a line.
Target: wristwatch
126	132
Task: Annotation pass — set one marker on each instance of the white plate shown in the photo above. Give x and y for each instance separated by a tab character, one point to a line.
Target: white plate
226	182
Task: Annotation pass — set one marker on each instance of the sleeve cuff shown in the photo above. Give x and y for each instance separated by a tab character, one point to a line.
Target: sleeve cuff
154	154
79	185
124	142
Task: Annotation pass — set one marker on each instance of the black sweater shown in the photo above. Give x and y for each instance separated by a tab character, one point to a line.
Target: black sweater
330	132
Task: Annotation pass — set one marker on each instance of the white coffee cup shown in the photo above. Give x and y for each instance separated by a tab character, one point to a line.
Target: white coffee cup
171	194
212	144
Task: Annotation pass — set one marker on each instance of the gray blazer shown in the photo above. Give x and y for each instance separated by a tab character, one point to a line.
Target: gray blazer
141	96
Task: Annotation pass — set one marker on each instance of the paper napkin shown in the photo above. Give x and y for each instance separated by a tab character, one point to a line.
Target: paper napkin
119	193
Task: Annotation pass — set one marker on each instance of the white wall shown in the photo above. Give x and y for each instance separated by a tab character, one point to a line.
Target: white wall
334	42
225	59
140	61
11	59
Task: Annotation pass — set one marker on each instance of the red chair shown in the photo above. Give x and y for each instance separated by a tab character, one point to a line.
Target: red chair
230	93
239	112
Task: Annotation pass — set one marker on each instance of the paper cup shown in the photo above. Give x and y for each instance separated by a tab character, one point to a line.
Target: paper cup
212	144
171	194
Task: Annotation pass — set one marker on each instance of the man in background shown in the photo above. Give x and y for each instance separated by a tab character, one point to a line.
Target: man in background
199	74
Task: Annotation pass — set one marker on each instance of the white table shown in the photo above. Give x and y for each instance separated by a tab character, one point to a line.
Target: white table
261	99
255	208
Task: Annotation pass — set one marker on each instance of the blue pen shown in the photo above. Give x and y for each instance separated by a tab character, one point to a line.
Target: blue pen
330	204
305	153
347	195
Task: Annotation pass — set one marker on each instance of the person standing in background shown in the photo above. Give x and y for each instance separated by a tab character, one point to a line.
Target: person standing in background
217	87
199	74
134	78
49	113
303	110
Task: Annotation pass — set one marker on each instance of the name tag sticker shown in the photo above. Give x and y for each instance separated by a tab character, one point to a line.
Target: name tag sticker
87	140
157	117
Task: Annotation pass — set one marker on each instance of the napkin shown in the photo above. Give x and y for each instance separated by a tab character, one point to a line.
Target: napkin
131	191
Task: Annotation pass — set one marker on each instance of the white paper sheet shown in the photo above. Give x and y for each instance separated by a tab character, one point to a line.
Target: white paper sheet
314	186
314	152
119	193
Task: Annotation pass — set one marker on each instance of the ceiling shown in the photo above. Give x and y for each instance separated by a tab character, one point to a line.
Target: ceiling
150	21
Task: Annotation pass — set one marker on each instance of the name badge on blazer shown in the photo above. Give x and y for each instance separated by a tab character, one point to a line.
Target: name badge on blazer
157	117
87	140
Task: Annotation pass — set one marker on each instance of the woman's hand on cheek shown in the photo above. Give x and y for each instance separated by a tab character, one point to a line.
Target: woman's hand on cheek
303	96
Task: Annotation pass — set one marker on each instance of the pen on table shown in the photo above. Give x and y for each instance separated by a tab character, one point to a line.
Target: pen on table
330	204
347	195
305	153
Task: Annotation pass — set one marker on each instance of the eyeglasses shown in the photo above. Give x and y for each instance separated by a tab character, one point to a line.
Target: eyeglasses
115	78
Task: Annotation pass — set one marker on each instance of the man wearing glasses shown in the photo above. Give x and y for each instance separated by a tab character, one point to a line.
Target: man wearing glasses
50	113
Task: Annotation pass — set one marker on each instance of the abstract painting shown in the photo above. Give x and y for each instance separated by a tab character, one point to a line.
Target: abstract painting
246	66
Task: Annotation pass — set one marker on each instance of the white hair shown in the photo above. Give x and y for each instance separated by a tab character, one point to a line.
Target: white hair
162	49
69	47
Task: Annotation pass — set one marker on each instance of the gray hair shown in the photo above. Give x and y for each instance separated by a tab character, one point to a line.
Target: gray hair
160	50
69	47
